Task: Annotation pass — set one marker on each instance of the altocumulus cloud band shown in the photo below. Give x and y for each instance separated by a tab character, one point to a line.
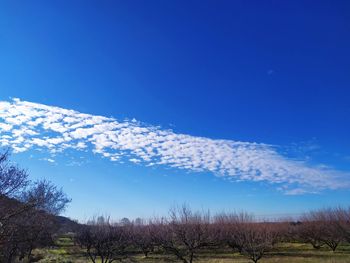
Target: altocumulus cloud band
27	125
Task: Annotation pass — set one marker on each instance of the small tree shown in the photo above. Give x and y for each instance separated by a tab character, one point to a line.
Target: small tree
258	238
142	238
229	227
241	233
311	232
104	242
332	234
184	234
322	227
343	222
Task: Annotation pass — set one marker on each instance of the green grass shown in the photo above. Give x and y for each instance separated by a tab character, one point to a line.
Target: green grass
65	252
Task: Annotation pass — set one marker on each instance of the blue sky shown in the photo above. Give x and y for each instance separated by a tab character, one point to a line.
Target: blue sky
273	76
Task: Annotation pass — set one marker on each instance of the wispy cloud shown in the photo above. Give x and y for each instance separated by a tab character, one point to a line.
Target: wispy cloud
26	125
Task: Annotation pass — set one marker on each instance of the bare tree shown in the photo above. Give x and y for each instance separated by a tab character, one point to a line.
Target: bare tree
184	234
13	182
230	229
46	196
241	233
343	221
322	227
258	238
25	232
104	242
311	232
332	234
26	209
142	238
13	179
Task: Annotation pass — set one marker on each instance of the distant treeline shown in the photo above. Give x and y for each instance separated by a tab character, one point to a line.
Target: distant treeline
28	220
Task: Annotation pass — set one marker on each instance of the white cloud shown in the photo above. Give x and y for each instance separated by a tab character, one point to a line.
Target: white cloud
49	160
25	125
5	126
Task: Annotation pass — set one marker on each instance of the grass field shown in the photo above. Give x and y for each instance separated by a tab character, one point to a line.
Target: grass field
65	252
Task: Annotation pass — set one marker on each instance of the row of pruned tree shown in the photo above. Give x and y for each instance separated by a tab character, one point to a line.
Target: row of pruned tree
27	212
185	234
326	227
